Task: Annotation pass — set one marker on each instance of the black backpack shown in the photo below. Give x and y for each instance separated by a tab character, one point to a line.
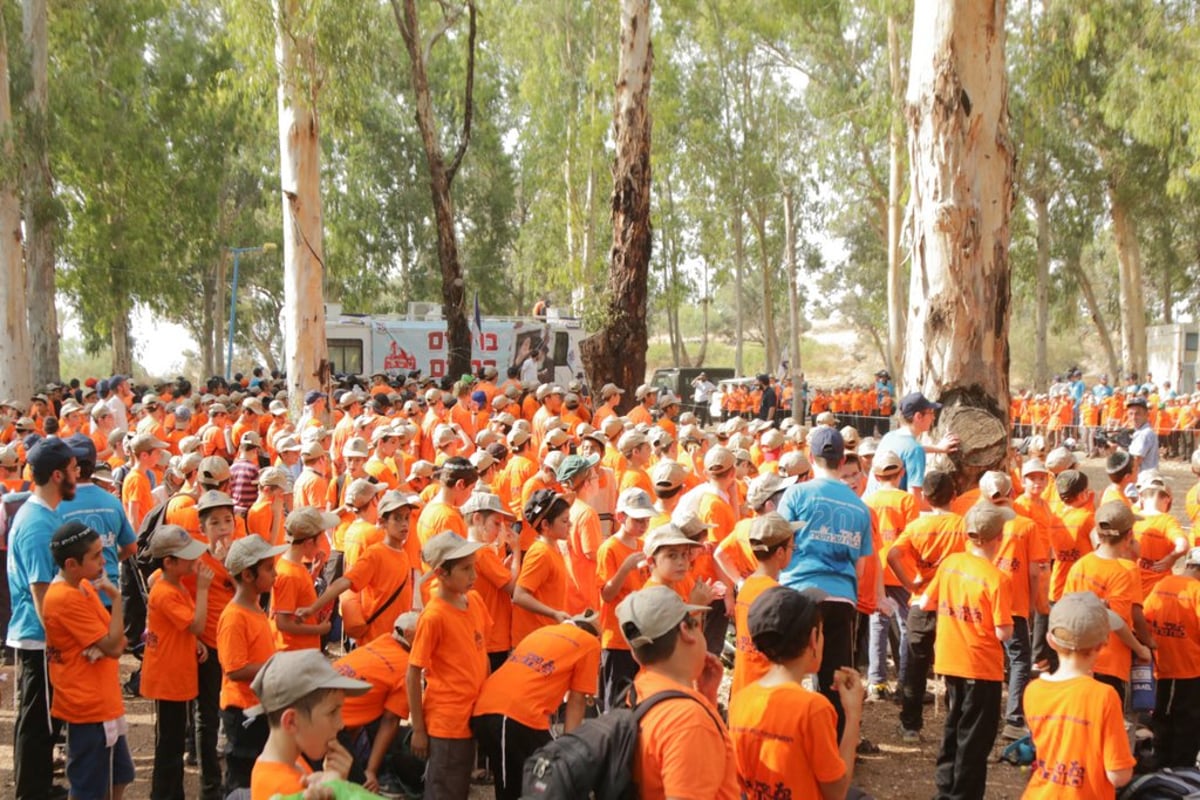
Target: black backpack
154	518
1179	783
594	760
10	504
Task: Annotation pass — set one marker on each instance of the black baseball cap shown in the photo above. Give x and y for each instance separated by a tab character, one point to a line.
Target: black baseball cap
83	447
914	403
779	617
49	455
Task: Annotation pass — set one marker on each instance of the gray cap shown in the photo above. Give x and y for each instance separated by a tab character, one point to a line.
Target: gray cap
647	614
248	551
172	540
292	674
1081	621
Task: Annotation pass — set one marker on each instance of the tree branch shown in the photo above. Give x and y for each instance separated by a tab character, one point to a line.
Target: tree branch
469	105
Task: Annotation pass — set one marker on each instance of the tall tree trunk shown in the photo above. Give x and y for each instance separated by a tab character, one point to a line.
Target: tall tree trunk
794	364
1169	262
219	311
121	337
16	379
770	335
1094	311
306	354
739	276
895	275
1041	363
1133	298
618	351
39	204
961	199
441	173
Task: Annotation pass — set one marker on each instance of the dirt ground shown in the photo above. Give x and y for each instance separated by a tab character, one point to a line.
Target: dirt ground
899	772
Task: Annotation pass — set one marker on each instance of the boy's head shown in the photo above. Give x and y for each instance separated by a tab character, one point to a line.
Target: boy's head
78	551
657	623
1191	563
985	523
485	511
1071	485
453	559
634	510
405	627
767	489
588	620
827	447
887	466
302	695
1114	521
251	562
995	487
175	548
668	550
458	479
304	527
213	472
1119	466
576	470
784	623
272	481
770	534
938	488
1080	623
668	477
1153	490
216	515
395	512
1034	476
544	512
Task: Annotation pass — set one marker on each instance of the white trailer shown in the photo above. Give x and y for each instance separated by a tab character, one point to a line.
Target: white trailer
1173	354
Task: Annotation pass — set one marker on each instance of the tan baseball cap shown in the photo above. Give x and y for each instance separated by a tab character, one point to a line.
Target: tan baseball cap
764	486
213	471
213	499
634	502
308	523
289	675
1115	517
390	501
447	546
250	439
887	463
421	469
630	441
144	443
172	540
718	460
995	485
609	389
664	536
668	475
647	614
1032	467
985	521
485	502
273	476
248	551
771	529
355	447
360	491
1081	621
311	451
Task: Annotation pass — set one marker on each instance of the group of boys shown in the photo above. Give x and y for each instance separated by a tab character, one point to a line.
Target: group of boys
559	554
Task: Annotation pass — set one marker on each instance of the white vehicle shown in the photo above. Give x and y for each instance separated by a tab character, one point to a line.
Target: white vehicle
1172	354
360	344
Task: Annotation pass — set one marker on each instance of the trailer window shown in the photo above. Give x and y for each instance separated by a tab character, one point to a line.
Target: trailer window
346	356
1191	342
562	345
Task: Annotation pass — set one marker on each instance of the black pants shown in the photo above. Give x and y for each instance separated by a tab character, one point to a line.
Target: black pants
1177	721
496	660
507	744
33	740
716	624
243	745
170	733
1115	682
972	716
862	643
922	631
1042	651
133	602
208	726
617	671
839	621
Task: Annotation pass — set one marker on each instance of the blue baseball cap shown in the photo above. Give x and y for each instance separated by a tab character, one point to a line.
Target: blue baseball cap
827	443
313	396
83	447
914	403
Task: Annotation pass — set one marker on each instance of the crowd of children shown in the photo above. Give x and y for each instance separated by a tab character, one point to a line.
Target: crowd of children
422	593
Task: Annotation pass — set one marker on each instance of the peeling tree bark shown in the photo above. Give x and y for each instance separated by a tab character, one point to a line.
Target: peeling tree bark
1133	298
617	352
306	355
961	164
895	278
16	379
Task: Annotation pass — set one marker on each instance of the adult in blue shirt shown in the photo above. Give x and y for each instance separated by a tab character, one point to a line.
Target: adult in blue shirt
917	415
100	511
883	387
1103	390
833	544
31	568
1144	445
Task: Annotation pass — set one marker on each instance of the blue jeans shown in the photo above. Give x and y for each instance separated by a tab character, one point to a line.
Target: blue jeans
877	671
1020	660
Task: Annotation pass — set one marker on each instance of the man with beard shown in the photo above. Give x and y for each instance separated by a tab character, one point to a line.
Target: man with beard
31	567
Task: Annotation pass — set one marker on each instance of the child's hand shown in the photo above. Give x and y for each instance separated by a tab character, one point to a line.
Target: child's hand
201	652
103	584
633	560
338	759
849	686
419	744
702	593
306	611
204	576
317	785
710	677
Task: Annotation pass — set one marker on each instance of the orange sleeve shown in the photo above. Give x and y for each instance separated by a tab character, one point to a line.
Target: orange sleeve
535	569
232	643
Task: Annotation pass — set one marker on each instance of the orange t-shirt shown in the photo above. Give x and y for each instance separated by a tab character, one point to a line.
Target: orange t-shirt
220	592
1073	542
612	554
1019	548
543	575
358	536
450	647
438	517
1114	492
1156	536
310	489
683	749
244	636
1173	611
736	548
1192	506
383	663
973	598
636	478
543	667
1118	583
75	620
1079	733
271	778
293	589
258	521
894	510
583	543
169	666
785	738
930	538
491	576
749	665
136	491
376	576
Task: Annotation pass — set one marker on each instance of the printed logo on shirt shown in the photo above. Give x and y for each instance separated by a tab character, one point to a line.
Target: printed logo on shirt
758	790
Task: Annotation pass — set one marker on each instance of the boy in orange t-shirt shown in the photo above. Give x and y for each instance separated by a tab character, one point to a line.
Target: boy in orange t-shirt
293	589
448	658
497	566
1173	611
973	600
620	571
83	645
301	696
772	538
1076	723
170	675
784	736
540	596
512	715
244	643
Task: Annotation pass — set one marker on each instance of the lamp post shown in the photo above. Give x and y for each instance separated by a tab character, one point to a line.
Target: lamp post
237	255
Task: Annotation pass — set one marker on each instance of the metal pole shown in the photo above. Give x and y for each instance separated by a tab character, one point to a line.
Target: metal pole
793	305
237	254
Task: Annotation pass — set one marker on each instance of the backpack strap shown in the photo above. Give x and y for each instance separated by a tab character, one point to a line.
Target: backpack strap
642	708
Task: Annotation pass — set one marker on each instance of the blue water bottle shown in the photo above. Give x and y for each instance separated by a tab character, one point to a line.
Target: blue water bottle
1141	681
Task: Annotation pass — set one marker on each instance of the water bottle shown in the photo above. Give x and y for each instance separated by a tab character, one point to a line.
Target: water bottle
1141	682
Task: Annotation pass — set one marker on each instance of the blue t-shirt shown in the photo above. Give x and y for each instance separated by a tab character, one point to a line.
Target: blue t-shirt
1102	390
836	534
102	512
902	442
1076	388
1145	446
30	562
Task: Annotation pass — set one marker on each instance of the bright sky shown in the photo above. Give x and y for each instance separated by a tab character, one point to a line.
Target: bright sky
158	345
